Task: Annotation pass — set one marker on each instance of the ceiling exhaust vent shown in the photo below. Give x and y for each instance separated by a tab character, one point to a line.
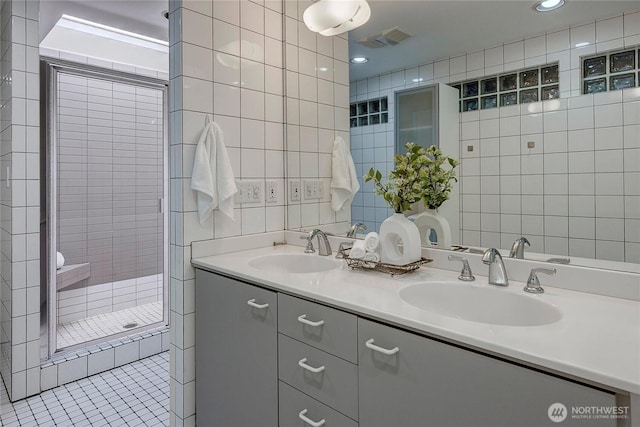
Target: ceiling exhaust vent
390	37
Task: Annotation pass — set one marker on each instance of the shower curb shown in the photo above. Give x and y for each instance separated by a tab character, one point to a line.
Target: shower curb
82	363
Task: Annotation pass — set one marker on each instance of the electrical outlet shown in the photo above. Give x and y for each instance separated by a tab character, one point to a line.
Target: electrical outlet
272	192
294	187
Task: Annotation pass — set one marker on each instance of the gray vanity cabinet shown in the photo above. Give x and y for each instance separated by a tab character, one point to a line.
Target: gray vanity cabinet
266	359
236	353
429	383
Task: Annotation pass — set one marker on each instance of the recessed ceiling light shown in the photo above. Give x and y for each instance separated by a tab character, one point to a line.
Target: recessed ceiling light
358	60
582	44
548	5
323	69
418	80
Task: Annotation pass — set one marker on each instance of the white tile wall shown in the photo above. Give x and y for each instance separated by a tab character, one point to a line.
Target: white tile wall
247	83
317	84
579	202
570	187
19	197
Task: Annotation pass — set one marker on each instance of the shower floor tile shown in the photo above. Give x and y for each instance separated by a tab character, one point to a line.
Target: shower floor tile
136	394
104	325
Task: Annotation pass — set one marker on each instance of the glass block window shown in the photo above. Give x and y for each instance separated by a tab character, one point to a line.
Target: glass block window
516	87
370	112
611	71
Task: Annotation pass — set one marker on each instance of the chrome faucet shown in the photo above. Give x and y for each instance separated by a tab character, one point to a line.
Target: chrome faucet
324	247
354	229
517	250
497	272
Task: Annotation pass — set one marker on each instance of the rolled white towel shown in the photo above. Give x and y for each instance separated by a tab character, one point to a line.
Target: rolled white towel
358	250
371	256
371	241
59	261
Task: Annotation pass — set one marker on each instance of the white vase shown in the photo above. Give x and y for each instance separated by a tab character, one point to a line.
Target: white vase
399	240
429	220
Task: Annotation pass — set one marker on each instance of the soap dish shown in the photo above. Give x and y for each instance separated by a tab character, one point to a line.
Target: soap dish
382	267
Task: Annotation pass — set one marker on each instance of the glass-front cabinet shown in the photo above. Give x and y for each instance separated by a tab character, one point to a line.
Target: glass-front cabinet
417	117
428	115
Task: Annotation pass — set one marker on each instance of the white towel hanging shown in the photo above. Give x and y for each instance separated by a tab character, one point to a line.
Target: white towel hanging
344	181
212	176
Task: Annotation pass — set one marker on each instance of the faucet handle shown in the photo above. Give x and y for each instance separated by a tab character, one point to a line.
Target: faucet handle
533	283
309	249
465	275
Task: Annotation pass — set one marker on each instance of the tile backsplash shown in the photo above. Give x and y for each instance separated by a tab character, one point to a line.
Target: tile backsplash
562	172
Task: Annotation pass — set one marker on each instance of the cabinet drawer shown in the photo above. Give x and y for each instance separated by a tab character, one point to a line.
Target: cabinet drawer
292	402
328	329
335	383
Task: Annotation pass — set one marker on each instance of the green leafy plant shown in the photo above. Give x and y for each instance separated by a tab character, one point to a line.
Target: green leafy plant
421	174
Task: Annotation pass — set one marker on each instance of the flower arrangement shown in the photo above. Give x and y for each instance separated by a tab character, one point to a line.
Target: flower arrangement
420	174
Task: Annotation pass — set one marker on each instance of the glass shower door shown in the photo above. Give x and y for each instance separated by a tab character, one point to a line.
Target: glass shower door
107	186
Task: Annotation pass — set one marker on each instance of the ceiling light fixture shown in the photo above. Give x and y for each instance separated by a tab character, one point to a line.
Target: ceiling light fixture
331	17
548	5
582	44
359	60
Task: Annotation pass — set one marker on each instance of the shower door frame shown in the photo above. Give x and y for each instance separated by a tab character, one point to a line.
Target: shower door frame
49	68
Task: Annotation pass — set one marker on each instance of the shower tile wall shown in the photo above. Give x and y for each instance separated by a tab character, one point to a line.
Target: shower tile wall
575	193
110	182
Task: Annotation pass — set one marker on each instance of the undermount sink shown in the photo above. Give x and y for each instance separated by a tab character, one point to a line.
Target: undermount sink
492	305
295	263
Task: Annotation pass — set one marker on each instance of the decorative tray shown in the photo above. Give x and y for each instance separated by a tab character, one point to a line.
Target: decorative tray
380	266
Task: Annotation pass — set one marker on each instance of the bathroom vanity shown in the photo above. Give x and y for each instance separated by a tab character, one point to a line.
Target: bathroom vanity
340	348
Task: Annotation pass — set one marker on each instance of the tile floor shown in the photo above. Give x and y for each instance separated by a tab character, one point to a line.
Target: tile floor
136	394
107	324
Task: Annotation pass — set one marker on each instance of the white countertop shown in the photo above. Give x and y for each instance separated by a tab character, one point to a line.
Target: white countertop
597	339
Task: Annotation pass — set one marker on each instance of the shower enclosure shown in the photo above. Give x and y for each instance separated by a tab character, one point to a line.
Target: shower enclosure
105	161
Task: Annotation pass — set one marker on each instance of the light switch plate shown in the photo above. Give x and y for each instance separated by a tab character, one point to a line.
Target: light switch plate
250	192
313	190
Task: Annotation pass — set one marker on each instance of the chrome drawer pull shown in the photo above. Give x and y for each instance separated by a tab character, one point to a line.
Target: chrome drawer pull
302	416
252	303
379	349
302	363
303	319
